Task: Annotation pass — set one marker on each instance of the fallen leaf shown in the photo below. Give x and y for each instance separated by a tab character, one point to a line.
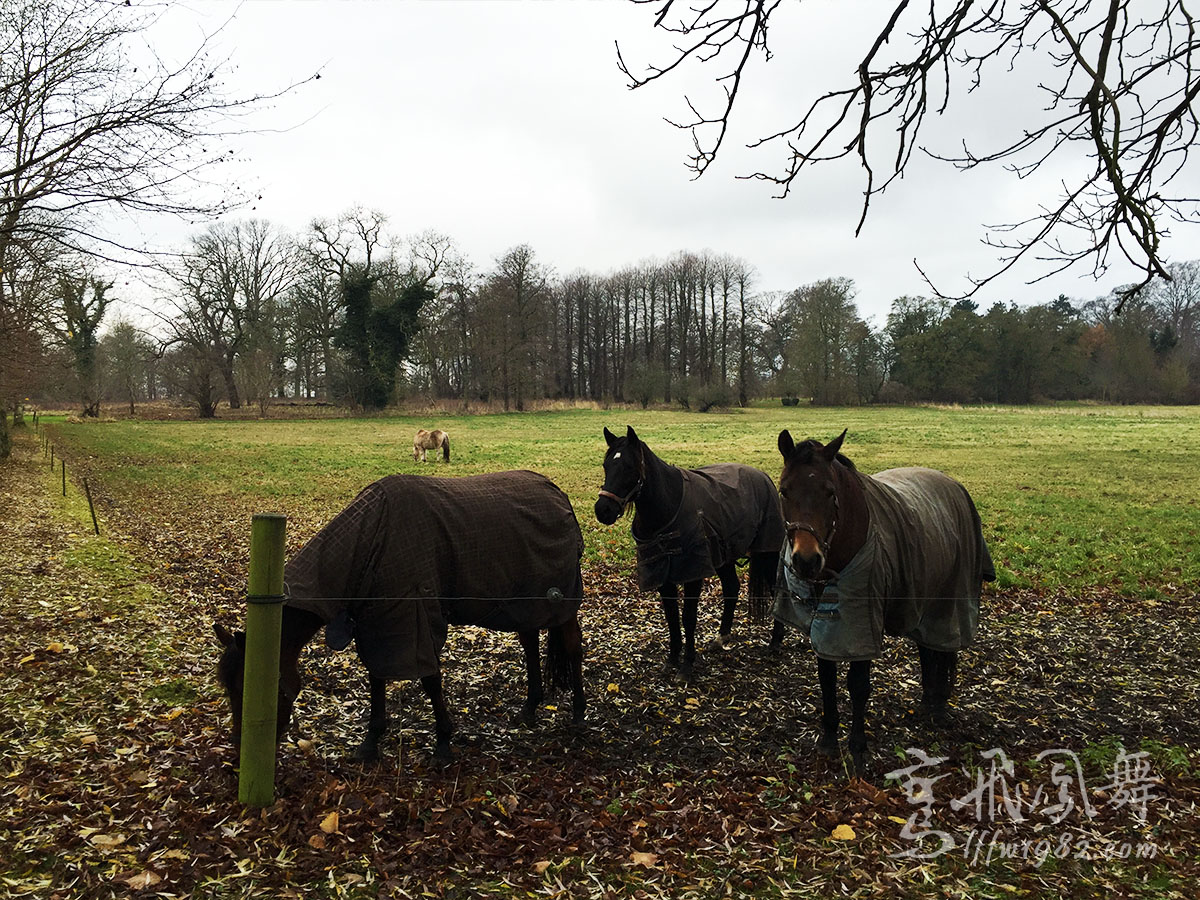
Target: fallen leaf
644	859
613	687
55	647
330	823
107	841
541	866
843	833
317	841
145	880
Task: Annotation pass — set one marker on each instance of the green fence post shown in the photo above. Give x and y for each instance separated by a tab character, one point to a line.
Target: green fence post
260	693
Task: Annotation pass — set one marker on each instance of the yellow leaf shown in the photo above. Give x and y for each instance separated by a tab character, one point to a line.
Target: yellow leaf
541	866
613	687
175	713
317	842
145	880
107	841
88	739
306	746
843	833
692	701
330	823
644	859
898	820
28	659
55	647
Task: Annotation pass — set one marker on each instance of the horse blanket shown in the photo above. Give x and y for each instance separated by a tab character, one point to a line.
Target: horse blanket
918	575
726	512
412	554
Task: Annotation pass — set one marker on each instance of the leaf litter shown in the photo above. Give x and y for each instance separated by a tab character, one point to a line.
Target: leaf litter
117	778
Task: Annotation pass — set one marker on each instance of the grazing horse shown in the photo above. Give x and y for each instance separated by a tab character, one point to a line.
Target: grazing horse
899	553
412	555
690	524
431	440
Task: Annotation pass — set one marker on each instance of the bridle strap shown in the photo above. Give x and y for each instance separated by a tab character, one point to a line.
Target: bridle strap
623	501
823	542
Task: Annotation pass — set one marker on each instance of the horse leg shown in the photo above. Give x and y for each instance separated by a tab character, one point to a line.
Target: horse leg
443	724
827	744
377	724
937	676
858	680
571	636
775	647
729	596
670	604
533	678
691	602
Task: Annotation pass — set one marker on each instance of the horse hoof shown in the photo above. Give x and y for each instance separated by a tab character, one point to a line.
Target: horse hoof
526	718
827	746
367	753
773	649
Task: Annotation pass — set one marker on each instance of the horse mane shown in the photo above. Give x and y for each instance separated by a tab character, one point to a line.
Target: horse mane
806	450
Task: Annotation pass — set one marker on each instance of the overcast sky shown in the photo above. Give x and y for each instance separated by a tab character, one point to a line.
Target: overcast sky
500	122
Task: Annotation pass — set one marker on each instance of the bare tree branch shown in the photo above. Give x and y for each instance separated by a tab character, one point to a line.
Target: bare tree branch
1127	82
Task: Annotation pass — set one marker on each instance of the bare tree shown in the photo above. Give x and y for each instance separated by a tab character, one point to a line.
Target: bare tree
1126	77
93	119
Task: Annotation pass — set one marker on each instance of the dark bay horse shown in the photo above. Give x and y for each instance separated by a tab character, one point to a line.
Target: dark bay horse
412	555
899	553
690	524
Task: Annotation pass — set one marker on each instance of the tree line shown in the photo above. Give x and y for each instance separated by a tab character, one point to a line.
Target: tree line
347	314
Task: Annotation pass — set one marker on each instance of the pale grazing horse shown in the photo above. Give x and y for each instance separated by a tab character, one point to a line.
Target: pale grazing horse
431	440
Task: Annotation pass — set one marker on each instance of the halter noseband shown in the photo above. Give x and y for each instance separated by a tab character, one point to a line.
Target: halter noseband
624	501
822	542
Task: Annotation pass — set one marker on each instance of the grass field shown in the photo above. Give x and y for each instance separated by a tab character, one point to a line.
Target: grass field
1073	499
118	779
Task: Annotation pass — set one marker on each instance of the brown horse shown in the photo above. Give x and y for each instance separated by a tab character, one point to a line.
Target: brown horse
413	554
900	552
431	440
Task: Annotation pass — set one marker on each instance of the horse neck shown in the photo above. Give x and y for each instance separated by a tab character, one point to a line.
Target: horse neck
298	627
854	518
662	490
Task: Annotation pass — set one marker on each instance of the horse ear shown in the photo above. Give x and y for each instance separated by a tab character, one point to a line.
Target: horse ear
831	449
631	435
609	437
223	635
786	444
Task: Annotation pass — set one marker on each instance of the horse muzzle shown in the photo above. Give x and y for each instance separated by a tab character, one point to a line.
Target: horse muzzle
608	509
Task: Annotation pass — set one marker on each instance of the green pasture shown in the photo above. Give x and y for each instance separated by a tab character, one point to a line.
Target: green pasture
1076	499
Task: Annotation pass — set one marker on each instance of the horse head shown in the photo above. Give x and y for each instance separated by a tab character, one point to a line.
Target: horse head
624	475
808	494
231	673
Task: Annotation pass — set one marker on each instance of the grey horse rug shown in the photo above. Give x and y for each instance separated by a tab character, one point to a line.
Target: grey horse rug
412	554
726	512
918	575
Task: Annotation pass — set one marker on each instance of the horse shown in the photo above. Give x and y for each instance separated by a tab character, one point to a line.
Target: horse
431	440
414	554
690	524
900	552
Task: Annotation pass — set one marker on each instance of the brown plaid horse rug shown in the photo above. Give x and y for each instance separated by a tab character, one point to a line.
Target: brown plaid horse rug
727	511
412	554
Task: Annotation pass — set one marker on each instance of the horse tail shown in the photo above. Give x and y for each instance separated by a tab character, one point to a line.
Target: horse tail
557	673
445	447
761	588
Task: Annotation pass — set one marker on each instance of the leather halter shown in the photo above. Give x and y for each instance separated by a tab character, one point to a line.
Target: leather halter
641	482
822	542
624	501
